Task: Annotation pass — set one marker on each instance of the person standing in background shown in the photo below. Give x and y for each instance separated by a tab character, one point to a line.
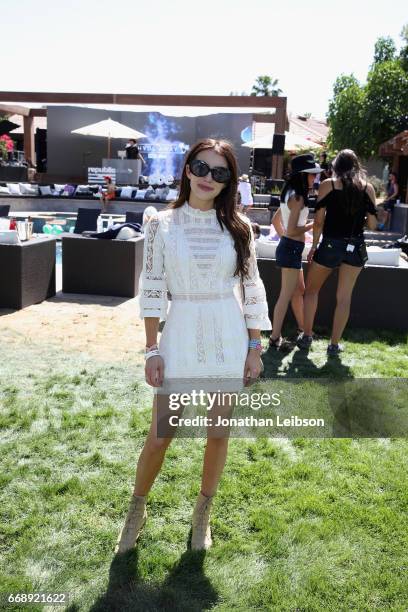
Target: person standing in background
132	151
244	189
291	224
344	205
389	202
324	164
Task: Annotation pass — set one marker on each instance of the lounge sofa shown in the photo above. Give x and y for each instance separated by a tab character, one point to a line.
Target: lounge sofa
128	193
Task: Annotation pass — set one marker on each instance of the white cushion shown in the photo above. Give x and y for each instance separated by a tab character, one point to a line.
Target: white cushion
126	192
14	188
45	190
4	190
265	248
126	233
141	193
172	195
84	189
383	257
24	188
27	189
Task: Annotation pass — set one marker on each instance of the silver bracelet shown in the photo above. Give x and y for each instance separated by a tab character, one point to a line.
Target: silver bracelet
152	353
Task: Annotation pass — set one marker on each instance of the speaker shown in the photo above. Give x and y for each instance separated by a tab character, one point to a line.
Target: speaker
278	144
40	140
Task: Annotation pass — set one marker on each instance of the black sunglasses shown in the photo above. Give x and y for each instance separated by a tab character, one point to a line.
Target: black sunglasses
200	168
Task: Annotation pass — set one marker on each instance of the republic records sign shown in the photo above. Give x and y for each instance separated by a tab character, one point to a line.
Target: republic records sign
95	175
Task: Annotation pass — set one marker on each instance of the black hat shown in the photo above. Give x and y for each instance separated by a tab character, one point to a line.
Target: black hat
305	163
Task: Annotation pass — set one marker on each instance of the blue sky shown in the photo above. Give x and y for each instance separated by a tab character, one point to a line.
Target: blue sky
192	47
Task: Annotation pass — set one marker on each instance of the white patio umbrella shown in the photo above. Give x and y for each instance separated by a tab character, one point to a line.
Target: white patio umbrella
109	129
292	143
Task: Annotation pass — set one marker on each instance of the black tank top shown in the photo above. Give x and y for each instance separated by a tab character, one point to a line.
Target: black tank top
339	222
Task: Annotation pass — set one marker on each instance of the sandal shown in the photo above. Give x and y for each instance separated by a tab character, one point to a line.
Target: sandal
280	344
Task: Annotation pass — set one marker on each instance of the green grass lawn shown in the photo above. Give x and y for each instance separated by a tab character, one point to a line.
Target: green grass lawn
298	524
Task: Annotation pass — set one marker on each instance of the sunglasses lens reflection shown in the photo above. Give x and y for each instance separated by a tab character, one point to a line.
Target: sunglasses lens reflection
199	168
221	175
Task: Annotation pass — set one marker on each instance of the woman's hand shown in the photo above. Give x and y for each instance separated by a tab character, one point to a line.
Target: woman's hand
311	254
253	365
154	371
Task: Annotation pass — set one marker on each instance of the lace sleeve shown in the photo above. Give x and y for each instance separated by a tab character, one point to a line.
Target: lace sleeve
255	306
152	282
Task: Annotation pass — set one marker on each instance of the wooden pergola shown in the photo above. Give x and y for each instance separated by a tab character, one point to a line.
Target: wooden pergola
397	145
264	103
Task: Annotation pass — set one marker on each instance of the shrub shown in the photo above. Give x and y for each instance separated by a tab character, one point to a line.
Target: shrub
377	184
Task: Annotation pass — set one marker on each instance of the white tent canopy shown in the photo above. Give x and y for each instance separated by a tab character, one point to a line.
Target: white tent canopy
109	129
292	143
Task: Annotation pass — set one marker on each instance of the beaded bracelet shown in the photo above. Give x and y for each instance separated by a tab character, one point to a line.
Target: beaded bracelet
255	344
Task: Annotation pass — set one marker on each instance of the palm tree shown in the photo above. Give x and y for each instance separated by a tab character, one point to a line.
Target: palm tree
266	86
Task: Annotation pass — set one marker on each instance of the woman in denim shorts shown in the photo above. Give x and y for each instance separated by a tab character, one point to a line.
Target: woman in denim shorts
290	223
343	207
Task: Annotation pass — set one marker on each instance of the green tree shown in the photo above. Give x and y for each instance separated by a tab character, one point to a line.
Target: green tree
403	56
361	117
345	116
386	103
266	86
384	50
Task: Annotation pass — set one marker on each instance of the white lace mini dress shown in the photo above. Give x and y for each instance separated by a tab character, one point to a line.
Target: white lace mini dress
206	326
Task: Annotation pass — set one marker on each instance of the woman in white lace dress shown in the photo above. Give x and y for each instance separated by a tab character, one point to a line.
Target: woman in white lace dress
200	250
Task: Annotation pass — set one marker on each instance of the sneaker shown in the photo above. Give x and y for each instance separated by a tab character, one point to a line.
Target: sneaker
299	334
334	349
280	344
305	342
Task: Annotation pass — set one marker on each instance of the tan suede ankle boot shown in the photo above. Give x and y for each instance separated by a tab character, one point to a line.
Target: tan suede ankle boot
201	534
134	522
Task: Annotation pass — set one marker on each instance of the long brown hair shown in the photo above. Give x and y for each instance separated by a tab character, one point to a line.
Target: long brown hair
347	167
224	203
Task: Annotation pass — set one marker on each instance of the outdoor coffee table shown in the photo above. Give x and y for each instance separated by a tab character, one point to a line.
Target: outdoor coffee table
27	272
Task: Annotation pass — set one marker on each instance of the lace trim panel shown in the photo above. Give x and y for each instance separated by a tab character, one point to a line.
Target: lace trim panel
152	284
255	306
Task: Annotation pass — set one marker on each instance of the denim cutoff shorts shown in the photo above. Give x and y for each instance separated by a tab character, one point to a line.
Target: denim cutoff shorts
289	253
332	252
